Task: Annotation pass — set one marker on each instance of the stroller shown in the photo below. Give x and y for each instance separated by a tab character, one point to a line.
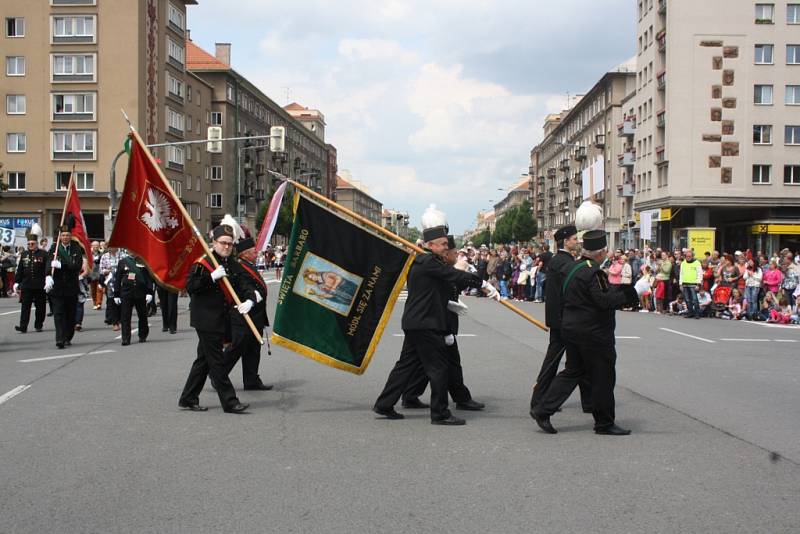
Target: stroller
719	299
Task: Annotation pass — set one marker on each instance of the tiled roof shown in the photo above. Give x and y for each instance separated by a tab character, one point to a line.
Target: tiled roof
294	106
341	183
199	59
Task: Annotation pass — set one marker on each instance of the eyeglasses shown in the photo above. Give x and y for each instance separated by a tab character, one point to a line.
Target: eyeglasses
226	243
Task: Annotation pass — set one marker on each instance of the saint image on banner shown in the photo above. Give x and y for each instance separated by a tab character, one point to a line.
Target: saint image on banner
327	284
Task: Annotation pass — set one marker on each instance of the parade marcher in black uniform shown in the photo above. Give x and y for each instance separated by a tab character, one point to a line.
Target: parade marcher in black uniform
588	326
66	268
168	302
133	288
419	381
30	278
567	241
244	344
425	323
209	313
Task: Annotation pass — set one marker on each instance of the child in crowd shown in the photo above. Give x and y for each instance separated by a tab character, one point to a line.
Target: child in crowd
735	309
782	314
767	305
678	306
645	285
795	317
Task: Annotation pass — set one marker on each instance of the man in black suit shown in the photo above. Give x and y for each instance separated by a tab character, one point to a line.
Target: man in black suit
30	278
66	264
567	242
133	288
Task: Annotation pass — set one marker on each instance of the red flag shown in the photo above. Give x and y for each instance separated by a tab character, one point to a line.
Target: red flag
271	218
151	224
73	207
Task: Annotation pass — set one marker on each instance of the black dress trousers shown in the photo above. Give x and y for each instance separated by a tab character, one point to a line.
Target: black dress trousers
457	389
64	307
210	362
168	301
126	314
552	359
36	297
245	346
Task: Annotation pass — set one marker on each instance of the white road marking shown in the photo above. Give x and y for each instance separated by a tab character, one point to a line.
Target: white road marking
13	393
687	335
62	356
628	337
132	332
741	339
9	313
785	340
773	325
459	335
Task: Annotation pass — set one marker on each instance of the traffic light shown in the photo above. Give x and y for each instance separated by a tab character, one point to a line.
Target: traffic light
277	140
213	146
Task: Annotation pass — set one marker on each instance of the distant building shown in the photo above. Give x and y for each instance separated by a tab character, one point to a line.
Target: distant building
515	197
395	221
356	199
312	119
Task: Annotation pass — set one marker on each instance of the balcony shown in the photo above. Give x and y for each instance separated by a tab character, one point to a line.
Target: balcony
661	80
563	204
662	6
661	155
661	38
563	185
564	164
627	158
626	190
628	127
577	201
551	173
540	181
551	193
600	141
577	178
661	118
540	195
580	153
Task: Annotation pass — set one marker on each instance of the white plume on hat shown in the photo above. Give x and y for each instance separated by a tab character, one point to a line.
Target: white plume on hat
231	223
36	230
433	218
589	216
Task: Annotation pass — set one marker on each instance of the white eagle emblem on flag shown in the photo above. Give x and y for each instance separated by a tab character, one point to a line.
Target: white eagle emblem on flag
159	213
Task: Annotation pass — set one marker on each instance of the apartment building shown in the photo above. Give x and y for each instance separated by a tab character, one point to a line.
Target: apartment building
357	199
70	66
717	122
588	141
518	194
242	170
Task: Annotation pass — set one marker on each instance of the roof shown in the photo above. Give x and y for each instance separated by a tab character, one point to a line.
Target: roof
523	185
341	183
294	106
199	59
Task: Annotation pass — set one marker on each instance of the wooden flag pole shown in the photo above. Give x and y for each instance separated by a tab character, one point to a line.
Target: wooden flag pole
63	216
197	233
399	239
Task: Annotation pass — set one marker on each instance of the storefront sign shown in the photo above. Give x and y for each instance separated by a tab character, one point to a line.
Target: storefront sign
701	240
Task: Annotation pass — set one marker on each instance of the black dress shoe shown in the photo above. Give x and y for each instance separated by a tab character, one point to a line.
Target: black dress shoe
165	329
126	343
259	387
60	345
39	329
20	330
237	408
193	407
612	430
544	423
68	343
142	339
391	413
172	331
450	421
413	403
470	405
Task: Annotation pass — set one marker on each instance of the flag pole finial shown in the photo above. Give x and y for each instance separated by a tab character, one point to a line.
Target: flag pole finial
127	119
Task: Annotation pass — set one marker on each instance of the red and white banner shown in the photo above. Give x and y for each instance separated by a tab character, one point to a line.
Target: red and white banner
73	207
271	218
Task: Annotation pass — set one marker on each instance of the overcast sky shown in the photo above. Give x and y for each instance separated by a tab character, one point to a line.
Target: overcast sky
435	101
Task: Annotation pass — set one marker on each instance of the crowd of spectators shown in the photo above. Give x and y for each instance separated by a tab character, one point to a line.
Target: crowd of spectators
741	286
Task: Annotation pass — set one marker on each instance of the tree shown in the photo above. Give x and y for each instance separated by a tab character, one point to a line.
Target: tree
414	234
503	228
524	225
482	238
284	225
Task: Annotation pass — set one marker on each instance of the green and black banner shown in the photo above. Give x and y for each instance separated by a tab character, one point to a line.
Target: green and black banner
340	283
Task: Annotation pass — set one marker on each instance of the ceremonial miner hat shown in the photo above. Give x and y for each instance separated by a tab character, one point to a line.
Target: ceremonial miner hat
594	240
244	244
34	233
230	222
434	224
222	230
451	242
588	216
565	231
69	224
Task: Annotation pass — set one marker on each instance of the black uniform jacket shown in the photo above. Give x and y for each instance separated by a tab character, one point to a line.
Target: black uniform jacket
452	317
430	283
32	269
552	292
589	304
258	314
132	280
65	279
208	309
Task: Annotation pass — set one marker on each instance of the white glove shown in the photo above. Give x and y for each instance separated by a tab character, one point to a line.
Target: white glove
449	339
457	307
218	273
148	299
259	298
492	293
55	264
117	301
245	306
15	288
48	284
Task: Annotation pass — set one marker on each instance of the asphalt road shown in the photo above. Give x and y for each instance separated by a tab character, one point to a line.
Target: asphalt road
96	443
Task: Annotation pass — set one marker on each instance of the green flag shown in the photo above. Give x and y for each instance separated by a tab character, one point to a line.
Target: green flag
340	283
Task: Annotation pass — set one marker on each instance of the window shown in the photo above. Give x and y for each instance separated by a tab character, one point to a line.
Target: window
175	17
15	27
73	106
762	134
73	29
198	183
216	118
793	14
761	174
177	186
792	135
189	182
175	86
764	54
15	180
15	66
73	144
765	13
793	54
216	172
175	155
229	92
793	95
763	95
175	121
73	67
791	175
15	142
15	104
174	51
214	200
84	181
189	93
